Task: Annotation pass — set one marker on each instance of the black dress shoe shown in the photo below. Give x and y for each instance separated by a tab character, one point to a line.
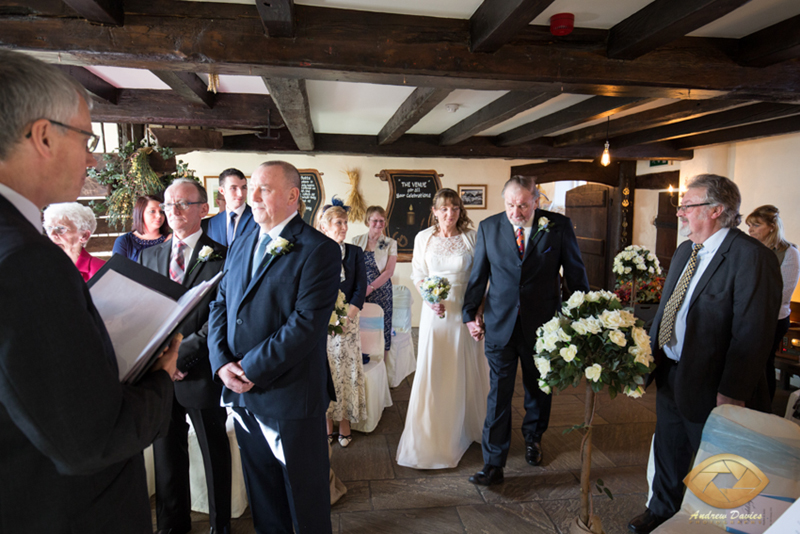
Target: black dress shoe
646	522
533	452
491	474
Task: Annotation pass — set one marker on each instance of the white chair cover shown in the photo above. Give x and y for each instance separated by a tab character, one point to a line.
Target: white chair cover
401	360
376	386
371	327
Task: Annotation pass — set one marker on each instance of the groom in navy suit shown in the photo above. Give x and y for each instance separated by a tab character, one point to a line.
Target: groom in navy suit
267	342
236	219
519	253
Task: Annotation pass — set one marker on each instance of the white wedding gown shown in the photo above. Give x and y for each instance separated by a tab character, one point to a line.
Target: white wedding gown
448	398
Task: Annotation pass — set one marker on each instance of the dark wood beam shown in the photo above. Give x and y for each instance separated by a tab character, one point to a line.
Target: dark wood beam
496	22
188	139
661	22
36	7
291	98
741	133
102	11
715	121
771	45
595	108
685	109
189	86
232	111
100	89
277	16
659	180
428	146
418	104
332	44
502	109
556	171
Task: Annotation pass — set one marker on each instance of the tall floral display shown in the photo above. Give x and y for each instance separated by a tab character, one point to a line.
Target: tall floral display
636	265
593	338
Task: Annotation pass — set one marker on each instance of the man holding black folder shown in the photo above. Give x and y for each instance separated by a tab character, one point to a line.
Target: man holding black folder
71	435
190	258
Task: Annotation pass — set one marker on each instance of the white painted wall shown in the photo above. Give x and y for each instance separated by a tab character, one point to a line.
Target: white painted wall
493	173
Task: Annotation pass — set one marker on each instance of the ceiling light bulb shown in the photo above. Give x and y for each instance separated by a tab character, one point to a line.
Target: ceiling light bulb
605	159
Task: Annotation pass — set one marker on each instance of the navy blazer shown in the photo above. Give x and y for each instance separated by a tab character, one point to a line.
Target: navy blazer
198	389
354	285
529	287
216	227
71	435
730	323
276	325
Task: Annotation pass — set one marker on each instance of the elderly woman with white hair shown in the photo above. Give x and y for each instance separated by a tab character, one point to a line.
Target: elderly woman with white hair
70	225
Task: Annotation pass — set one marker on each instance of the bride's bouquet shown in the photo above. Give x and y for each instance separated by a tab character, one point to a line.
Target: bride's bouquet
338	316
435	289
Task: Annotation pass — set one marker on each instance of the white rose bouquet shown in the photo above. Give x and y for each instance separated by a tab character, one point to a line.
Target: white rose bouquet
636	261
435	290
338	316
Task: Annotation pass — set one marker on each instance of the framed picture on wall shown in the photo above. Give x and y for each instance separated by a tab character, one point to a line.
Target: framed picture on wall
473	196
211	183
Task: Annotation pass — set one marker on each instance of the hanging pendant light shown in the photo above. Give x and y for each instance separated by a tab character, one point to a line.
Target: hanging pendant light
605	159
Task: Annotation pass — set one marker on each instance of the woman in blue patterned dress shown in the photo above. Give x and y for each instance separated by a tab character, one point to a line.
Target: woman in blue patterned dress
150	228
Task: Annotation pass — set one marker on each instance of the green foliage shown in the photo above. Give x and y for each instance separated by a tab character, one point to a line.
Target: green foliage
601	488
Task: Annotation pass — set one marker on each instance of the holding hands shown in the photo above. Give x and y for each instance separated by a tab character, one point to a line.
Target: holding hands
477	328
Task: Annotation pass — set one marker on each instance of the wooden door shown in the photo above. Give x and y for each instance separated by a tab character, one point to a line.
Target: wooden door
666	230
588	207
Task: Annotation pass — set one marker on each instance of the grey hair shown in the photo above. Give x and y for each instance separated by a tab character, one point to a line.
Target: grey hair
200	189
75	212
524	182
720	191
33	90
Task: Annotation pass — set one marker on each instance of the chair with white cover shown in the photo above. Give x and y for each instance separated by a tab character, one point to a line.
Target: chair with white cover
769	442
401	360
376	381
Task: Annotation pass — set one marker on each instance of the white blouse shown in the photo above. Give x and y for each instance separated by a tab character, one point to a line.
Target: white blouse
386	247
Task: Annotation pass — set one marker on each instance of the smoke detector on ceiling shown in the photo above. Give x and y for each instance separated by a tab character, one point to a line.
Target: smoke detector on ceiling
562	24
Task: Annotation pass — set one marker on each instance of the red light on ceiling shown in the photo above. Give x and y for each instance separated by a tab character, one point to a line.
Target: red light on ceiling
562	24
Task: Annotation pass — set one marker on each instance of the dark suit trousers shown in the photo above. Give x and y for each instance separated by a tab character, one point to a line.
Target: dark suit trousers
286	473
497	427
676	442
171	458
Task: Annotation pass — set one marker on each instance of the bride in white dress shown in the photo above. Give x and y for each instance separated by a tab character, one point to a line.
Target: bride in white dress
448	398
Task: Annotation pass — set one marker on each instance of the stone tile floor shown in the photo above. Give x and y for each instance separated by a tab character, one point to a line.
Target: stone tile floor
385	498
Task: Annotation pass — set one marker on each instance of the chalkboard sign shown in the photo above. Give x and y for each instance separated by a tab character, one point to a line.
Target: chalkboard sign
409	209
312	192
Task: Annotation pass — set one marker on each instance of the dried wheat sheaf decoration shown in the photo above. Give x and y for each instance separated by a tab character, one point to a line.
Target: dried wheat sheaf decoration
358	207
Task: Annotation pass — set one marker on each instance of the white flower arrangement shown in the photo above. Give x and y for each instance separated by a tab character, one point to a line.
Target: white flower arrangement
592	337
278	247
636	261
435	289
542	225
206	254
338	316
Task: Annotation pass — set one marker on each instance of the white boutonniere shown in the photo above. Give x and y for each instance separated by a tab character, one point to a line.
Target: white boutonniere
543	225
206	254
279	247
382	243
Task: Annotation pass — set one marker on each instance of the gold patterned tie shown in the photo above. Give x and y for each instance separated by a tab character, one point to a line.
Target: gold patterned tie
676	299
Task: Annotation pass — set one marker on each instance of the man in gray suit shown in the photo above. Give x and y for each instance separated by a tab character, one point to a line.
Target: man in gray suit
71	435
710	336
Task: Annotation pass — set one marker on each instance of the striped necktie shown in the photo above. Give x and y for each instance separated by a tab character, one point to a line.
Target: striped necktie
521	241
177	267
676	300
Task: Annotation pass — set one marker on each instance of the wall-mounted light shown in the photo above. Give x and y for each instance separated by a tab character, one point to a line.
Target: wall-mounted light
605	159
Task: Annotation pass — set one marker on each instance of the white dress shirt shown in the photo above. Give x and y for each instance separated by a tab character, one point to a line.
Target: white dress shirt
674	348
274	233
191	243
239	212
27	208
526	229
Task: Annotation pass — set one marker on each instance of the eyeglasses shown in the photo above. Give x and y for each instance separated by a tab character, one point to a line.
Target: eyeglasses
687	207
91	143
181	205
57	230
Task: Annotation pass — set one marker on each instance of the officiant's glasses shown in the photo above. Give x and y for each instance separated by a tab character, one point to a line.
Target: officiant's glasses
91	143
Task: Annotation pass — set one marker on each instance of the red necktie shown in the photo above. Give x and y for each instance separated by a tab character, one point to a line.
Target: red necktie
521	241
177	267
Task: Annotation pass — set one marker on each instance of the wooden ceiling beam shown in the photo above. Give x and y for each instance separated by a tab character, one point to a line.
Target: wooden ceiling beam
502	109
100	89
103	11
554	171
715	121
188	139
233	111
594	108
771	45
748	132
661	22
411	145
685	109
188	85
418	104
334	44
291	99
277	16
496	22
